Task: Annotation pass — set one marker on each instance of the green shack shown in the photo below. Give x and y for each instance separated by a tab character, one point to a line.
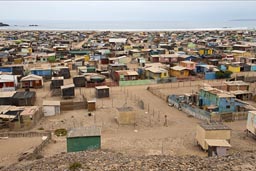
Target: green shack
84	138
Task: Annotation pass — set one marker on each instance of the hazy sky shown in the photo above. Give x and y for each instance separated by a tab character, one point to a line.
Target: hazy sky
128	10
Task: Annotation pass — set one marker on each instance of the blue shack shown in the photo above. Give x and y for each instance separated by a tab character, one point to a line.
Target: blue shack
216	100
209	71
44	72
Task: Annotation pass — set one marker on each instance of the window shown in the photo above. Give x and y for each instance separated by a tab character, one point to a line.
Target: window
228	107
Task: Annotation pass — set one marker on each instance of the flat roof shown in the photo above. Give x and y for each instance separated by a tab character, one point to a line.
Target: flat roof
67	86
51	103
217	143
7	94
214	126
57	78
84	132
178	68
102	87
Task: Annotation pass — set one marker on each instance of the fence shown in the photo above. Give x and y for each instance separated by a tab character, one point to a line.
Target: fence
38	149
110	84
136	82
73	104
192	111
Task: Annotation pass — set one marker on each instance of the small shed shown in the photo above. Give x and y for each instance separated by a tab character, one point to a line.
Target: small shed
102	91
51	108
26	98
91	105
251	122
126	116
84	138
57	82
79	81
68	91
213	130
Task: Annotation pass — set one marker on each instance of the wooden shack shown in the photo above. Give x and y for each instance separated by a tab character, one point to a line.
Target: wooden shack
91	105
251	122
26	98
102	91
51	108
68	91
79	81
84	138
213	131
57	82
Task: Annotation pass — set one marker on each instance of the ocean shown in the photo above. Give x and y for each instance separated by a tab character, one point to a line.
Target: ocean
127	25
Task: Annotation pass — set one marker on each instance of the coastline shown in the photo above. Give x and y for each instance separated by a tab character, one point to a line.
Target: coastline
129	30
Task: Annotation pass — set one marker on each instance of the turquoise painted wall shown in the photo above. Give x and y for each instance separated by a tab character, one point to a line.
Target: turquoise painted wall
75	144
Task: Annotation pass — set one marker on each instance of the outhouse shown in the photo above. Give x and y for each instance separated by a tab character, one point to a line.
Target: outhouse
68	91
84	138
79	81
102	91
51	108
57	82
91	105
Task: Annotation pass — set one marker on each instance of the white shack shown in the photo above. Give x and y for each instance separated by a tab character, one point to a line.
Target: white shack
251	122
51	108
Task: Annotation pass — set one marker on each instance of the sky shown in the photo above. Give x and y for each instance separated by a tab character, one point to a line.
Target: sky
127	10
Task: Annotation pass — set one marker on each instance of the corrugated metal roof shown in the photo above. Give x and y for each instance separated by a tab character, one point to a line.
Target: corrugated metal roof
25	94
84	132
214	126
31	77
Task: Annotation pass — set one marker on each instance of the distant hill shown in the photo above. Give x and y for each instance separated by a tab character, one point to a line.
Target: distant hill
3	25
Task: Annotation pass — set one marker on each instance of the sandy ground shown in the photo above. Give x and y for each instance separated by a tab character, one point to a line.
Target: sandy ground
148	135
12	148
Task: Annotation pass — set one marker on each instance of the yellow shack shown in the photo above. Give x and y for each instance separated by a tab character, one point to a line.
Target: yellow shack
206	133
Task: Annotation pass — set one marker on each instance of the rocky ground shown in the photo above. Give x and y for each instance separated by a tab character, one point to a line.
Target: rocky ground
107	160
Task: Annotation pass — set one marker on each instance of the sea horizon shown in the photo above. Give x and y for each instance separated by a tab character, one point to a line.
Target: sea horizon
80	25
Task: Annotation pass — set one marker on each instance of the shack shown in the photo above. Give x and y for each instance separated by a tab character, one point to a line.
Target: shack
6	97
26	98
102	91
44	72
126	116
212	131
91	105
57	82
68	91
51	108
251	122
29	117
61	71
84	138
79	81
32	81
